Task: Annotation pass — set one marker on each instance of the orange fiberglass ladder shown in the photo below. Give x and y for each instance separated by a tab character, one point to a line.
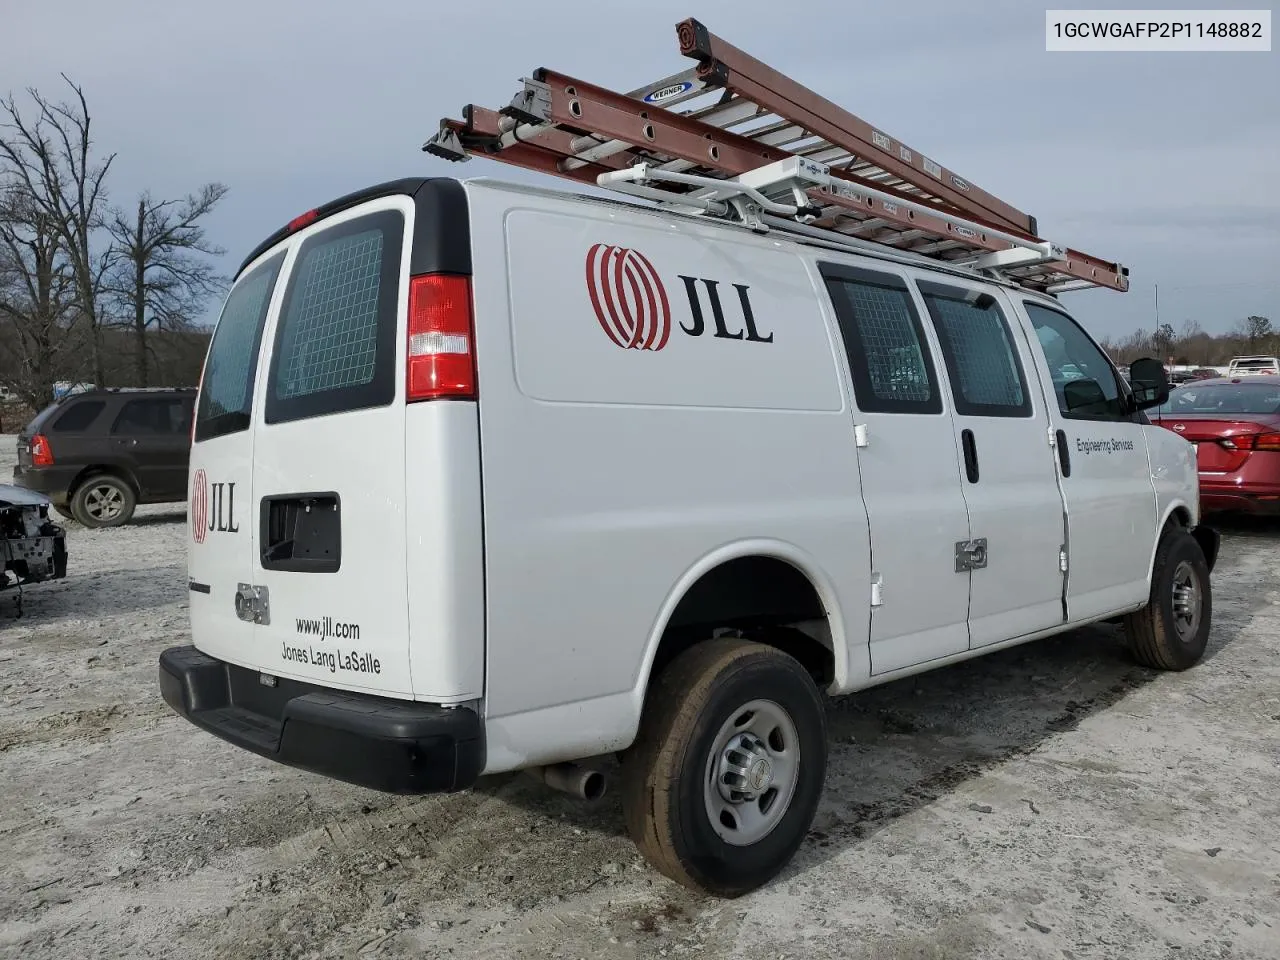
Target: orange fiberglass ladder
734	138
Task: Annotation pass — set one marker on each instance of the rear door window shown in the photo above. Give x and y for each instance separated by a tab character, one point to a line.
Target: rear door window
226	391
335	342
78	417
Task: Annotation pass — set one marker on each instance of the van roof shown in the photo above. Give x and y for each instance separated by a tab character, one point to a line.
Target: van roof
411	185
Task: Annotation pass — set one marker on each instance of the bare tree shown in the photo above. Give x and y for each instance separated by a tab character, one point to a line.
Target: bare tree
51	159
1254	329
38	342
160	275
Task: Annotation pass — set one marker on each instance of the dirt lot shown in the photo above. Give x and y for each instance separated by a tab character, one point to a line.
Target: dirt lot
1048	802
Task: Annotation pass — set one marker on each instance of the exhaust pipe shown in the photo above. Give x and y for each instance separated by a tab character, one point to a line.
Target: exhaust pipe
581	782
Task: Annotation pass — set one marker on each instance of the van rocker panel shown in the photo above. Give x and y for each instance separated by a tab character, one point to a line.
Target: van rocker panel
395	746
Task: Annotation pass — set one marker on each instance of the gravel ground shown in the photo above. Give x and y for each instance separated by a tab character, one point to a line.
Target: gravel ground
1049	802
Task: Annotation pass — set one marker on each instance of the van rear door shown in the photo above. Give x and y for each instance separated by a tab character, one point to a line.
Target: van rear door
327	515
219	476
337	454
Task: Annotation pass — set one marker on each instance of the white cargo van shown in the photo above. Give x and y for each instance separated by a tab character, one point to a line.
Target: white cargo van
489	477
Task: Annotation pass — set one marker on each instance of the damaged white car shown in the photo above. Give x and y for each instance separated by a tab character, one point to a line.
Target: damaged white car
32	547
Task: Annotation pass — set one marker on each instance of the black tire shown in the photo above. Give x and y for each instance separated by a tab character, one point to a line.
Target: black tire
668	778
103	500
63	510
1172	631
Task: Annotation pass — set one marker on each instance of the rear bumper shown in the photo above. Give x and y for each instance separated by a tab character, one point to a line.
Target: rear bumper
395	746
53	482
1234	500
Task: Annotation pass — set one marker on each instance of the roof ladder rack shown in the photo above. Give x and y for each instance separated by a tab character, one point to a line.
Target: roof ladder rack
733	138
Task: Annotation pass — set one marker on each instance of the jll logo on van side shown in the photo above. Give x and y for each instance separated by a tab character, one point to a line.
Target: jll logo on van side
630	302
213	507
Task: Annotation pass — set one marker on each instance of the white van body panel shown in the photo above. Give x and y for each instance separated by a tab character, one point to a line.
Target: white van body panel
1176	479
611	473
444	568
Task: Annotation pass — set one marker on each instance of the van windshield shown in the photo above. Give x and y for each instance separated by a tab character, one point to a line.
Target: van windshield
226	390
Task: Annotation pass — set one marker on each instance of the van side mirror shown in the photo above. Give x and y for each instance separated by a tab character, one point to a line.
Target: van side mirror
1149	382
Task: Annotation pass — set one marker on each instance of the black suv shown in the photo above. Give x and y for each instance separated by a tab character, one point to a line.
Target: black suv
100	453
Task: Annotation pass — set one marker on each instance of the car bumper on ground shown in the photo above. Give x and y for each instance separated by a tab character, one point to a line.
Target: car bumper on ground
396	746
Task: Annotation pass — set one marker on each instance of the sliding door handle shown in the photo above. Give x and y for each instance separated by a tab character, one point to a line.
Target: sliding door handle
1064	455
970	455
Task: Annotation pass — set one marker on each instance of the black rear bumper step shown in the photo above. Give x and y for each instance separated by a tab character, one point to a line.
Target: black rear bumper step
396	746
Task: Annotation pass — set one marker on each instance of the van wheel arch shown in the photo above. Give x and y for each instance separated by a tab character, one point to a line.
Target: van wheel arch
1179	518
759	597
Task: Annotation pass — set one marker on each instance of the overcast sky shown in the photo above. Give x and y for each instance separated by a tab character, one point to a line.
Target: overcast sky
1169	163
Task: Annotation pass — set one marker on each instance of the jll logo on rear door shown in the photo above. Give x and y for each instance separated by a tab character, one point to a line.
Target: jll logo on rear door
199	512
212	510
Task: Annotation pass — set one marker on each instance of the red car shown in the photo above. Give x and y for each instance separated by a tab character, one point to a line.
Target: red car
1235	425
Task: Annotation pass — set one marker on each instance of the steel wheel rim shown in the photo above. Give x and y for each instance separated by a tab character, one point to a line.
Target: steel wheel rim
751	772
104	502
1187	601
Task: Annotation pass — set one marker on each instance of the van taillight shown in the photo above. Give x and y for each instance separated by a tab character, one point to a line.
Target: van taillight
441	360
41	452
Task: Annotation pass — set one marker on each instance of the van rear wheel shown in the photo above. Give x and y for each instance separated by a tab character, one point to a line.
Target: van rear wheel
723	781
1172	631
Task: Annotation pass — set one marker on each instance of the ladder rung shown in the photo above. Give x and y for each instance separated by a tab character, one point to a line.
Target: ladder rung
725	65
732	117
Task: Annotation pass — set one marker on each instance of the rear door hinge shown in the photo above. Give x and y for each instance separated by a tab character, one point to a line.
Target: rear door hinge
1062	558
861	435
877	590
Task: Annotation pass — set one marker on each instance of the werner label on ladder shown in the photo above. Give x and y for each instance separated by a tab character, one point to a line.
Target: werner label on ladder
736	139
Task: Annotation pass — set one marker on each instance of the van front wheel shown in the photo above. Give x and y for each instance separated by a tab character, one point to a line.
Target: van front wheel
1172	630
723	781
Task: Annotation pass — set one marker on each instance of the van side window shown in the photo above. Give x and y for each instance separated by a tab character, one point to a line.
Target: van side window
884	340
987	379
1084	381
226	390
79	417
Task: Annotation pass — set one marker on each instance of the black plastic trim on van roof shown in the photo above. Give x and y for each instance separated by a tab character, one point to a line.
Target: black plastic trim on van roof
441	228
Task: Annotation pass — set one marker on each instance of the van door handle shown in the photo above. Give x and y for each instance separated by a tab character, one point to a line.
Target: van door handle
970	455
1064	455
